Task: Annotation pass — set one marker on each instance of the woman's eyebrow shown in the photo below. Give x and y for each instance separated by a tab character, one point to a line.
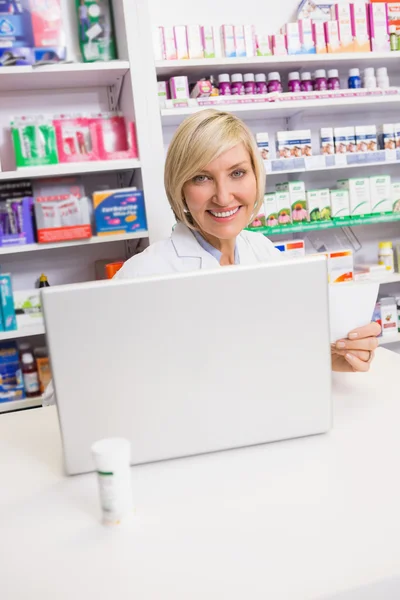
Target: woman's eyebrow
239	164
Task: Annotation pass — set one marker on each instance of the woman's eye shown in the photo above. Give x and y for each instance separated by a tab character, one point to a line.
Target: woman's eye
238	173
200	178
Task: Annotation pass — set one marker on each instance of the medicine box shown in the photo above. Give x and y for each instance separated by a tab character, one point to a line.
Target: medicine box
262	140
396	197
359	195
158	43
319	204
279	44
379	30
327	140
249	40
345	140
7	303
342	14
389	316
119	211
11	383
283	207
387	136
263	44
340	266
181	43
294	144
195	42
360	27
298	201
381	194
292	248
270	210
306	36
366	138
179	87
319	37
169	44
397	134
293	38
207	34
240	44
332	36
340	205
28	307
228	41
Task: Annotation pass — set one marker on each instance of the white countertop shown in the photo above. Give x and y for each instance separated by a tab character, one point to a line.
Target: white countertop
305	519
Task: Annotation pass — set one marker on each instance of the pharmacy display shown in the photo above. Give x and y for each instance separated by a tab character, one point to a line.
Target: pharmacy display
24	371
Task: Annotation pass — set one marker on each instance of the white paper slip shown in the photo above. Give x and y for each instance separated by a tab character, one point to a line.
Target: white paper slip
351	305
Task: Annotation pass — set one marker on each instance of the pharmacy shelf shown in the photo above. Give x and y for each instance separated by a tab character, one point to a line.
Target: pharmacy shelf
283	108
62	76
394	278
332	162
32	330
207	66
99	166
123	237
321	225
20	404
393	339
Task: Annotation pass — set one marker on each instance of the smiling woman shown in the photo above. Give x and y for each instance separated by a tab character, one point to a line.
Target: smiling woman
215	183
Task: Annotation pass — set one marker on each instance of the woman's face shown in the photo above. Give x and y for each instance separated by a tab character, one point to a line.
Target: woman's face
221	197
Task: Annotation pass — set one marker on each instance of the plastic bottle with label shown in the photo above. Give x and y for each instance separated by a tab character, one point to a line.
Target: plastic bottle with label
30	375
385	256
306	82
274	82
321	83
224	84
237	85
333	79
294	82
261	84
354	79
249	83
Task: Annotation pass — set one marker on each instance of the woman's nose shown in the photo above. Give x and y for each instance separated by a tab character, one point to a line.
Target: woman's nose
223	195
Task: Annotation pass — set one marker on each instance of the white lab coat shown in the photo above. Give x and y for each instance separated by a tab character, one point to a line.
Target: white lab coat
182	252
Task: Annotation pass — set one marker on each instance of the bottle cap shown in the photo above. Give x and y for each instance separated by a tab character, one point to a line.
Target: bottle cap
382	71
236	77
333	73
320	74
294	76
369	72
385	245
261	77
112	268
306	76
224	78
370	82
111	453
27	358
248	77
392	29
274	76
354	73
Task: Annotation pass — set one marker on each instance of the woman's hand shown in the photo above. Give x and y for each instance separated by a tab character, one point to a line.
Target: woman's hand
357	351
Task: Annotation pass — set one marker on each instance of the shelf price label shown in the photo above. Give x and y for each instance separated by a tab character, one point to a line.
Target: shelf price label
390	155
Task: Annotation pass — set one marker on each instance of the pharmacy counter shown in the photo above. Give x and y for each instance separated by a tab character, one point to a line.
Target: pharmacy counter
307	519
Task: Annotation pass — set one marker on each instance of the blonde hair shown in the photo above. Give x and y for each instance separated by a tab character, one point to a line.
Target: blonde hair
199	140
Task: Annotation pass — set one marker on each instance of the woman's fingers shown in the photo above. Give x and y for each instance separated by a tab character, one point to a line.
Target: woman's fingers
371	330
356	363
364	355
368	344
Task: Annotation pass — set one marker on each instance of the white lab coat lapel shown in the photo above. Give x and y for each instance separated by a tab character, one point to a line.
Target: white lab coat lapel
191	255
246	252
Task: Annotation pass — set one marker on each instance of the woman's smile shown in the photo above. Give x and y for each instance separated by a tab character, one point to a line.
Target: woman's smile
224	215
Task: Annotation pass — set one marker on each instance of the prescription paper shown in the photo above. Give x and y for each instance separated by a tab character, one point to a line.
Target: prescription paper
351	305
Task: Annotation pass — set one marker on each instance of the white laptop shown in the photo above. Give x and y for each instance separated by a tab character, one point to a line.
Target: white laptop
191	363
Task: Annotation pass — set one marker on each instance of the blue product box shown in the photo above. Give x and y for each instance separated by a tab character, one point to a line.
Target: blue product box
15	25
11	382
119	211
7	303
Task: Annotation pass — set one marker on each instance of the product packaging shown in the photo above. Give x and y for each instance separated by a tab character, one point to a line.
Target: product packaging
345	140
270	210
292	248
112	138
397	134
283	207
262	140
240	44
7	303
298	202
169	44
179	87
388	316
96	30
306	36
74	140
293	38
208	41
195	43
228	41
381	194
259	221
340	204
359	195
319	37
327	141
202	89
28	307
342	14
366	138
387	136
119	211
396	199
279	45
158	43
379	29
293	144
16	222
163	92
360	27
319	204
332	36
34	142
394	16
308	9
62	210
181	42
340	266
250	40
11	383
43	367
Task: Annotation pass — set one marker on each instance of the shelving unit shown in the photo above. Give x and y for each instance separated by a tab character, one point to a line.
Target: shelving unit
32	330
386	341
20	404
63	169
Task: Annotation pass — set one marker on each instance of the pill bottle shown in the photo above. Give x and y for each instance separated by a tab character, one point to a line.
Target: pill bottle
237	85
224	84
321	83
274	82
249	83
333	79
294	82
30	375
354	79
261	84
385	256
306	84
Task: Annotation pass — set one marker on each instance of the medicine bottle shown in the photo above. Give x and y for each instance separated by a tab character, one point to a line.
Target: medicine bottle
385	256
30	375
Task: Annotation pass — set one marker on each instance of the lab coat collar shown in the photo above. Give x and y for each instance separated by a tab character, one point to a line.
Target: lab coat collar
186	246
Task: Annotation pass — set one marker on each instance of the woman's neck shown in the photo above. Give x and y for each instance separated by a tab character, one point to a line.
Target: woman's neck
226	247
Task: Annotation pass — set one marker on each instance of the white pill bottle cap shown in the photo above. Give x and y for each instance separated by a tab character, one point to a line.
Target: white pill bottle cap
111	454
